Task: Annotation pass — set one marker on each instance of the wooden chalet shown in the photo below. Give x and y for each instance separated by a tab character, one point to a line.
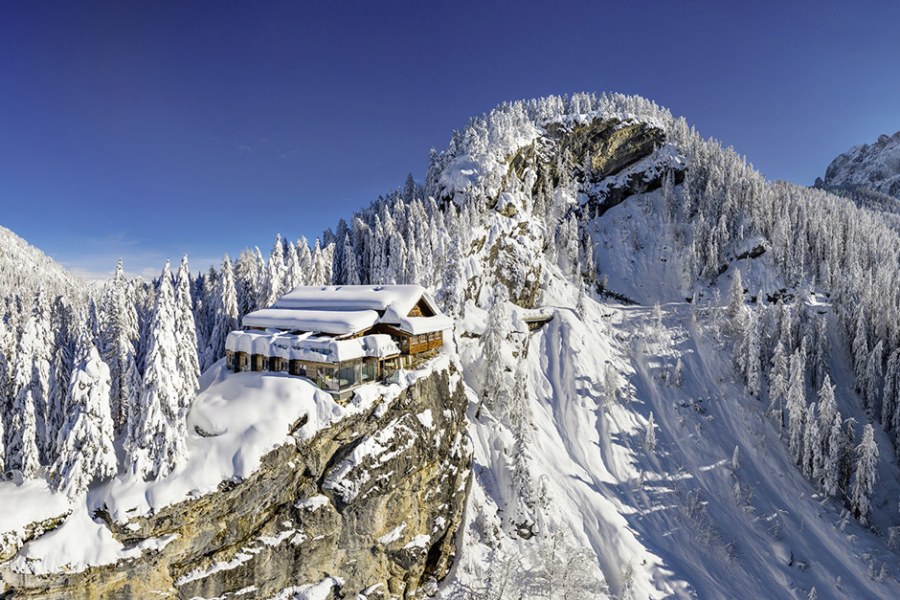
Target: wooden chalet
340	337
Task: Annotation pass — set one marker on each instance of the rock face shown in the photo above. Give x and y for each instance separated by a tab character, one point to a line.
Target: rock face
601	153
372	503
872	166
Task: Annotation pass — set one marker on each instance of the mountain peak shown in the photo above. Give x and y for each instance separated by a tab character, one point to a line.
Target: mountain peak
875	167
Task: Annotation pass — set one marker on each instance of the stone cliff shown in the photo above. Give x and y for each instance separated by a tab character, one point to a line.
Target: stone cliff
369	505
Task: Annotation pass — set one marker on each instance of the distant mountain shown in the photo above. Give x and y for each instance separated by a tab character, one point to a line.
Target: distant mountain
24	269
875	167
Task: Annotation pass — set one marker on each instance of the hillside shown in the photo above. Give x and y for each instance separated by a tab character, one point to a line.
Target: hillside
645	332
24	268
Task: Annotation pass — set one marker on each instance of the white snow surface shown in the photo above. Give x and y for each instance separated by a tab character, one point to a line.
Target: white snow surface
29	502
310	591
392	301
243	416
335	322
78	543
679	521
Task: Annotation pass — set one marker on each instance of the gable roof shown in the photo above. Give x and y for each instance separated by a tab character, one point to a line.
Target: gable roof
393	302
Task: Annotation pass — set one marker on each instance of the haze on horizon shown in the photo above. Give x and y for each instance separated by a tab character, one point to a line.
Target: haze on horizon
146	131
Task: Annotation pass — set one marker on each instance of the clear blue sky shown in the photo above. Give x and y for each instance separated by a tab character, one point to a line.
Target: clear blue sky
150	129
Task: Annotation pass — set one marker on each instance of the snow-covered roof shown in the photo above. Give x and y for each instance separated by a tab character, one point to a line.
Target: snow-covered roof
394	302
334	322
419	325
311	348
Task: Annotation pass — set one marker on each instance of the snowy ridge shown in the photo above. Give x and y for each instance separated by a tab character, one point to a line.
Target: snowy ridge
873	166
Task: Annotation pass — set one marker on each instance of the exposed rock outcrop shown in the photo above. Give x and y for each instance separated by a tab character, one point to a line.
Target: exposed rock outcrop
873	166
372	503
614	158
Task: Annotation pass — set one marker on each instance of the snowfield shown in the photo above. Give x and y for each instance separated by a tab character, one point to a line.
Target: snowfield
715	509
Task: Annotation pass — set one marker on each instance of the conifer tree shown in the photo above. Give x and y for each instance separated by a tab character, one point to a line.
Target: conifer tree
350	270
496	332
31	374
154	444
319	272
275	274
848	443
864	476
821	351
450	286
753	361
225	315
21	446
827	411
86	440
889	396
186	349
650	435
860	350
118	342
246	278
796	406
778	384
812	445
872	379
736	308
519	416
293	276
831	472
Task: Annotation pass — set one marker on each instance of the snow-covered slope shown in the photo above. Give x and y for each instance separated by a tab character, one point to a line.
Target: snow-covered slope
24	269
873	166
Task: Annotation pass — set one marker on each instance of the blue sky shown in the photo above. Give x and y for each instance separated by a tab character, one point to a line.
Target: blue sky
151	129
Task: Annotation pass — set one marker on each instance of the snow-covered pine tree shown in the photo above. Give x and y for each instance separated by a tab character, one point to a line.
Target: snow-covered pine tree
319	267
225	314
848	443
62	325
831	471
891	392
495	334
778	384
736	308
450	292
293	275
349	268
821	351
31	373
518	413
796	406
753	360
306	261
275	274
186	349
21	445
812	445
827	411
650	435
86	440
860	350
154	443
246	281
864	476
118	339
872	379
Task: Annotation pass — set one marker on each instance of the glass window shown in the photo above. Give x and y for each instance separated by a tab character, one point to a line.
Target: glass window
346	376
